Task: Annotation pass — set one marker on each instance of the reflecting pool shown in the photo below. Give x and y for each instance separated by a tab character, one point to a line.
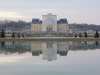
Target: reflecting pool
50	57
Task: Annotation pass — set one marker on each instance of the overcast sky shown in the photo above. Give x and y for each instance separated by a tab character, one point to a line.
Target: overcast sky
76	11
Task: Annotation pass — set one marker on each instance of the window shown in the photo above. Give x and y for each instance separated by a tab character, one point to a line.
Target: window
49	45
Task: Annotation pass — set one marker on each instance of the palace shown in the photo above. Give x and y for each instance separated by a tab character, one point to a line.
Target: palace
49	23
49	26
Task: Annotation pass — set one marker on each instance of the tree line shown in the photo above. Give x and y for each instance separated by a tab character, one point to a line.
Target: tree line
20	24
84	25
10	23
86	35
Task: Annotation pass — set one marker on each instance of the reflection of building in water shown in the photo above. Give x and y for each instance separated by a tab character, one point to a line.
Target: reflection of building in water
90	42
9	47
36	49
84	45
62	49
8	43
49	51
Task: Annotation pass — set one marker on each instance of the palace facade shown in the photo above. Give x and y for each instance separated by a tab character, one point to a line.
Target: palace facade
49	23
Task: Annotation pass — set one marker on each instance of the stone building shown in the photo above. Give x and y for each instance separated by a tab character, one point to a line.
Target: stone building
49	23
9	30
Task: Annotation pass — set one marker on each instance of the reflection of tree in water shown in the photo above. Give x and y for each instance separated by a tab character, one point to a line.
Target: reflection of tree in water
2	43
13	42
96	42
14	48
85	42
22	47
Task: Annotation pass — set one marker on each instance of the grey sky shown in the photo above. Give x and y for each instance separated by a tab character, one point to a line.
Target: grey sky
76	11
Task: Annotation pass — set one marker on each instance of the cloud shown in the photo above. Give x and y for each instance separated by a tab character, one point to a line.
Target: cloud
78	11
10	14
10	59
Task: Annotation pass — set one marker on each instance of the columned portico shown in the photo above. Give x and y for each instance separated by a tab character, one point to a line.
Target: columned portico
49	27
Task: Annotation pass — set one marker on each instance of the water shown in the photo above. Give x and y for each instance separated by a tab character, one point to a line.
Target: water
50	57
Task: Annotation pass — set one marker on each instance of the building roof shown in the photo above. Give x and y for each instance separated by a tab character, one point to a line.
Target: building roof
40	22
14	29
58	22
35	21
8	28
96	29
26	27
82	29
72	27
62	21
2	29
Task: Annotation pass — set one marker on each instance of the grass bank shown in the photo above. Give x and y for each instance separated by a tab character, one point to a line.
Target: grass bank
50	38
